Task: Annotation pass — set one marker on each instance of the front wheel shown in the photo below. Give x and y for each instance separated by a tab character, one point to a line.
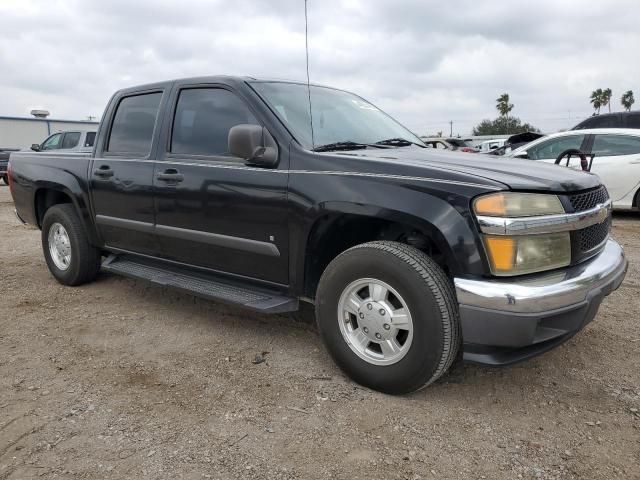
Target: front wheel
71	259
388	316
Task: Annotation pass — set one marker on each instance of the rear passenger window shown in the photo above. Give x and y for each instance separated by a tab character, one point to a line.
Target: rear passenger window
203	119
133	124
612	145
90	139
70	140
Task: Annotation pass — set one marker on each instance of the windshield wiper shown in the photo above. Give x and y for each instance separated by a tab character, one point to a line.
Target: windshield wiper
348	145
398	142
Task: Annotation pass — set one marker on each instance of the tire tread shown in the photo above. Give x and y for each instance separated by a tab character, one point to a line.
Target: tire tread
87	256
442	289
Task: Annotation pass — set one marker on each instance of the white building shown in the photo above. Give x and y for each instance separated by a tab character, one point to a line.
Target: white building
19	132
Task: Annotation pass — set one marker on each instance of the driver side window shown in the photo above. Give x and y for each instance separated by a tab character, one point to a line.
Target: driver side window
203	119
550	149
53	142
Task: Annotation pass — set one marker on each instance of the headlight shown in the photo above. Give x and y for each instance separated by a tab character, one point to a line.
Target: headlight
521	254
512	204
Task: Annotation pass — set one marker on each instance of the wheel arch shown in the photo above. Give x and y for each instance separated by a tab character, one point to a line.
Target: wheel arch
342	225
47	194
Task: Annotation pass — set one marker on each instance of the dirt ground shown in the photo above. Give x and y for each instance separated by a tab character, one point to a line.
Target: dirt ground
119	379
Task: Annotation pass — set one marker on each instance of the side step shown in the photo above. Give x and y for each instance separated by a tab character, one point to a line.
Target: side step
201	285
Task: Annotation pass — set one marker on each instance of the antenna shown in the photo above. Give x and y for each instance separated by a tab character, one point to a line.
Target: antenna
306	43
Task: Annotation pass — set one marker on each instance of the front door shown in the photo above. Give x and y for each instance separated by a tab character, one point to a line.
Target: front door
121	175
212	210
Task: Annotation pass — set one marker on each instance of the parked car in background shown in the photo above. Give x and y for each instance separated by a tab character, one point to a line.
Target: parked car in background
456	144
616	158
490	145
77	140
513	142
4	161
611	120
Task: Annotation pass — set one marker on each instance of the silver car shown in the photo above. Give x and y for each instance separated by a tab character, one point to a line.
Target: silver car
71	141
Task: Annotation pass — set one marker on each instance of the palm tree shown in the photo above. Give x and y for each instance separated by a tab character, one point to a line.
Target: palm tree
503	105
606	98
627	100
596	100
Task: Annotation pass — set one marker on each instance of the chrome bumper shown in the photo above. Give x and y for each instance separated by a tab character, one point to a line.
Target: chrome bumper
547	292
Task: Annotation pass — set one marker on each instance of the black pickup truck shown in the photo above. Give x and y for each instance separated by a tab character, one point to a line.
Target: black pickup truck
236	189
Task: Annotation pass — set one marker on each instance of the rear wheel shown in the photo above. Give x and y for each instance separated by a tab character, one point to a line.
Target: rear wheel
71	259
5	179
388	315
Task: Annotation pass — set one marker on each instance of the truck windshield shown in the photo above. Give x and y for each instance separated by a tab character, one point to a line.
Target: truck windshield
339	117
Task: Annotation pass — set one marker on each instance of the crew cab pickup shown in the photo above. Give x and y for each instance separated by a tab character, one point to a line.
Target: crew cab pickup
266	193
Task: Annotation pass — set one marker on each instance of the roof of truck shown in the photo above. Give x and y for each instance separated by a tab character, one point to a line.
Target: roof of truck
228	79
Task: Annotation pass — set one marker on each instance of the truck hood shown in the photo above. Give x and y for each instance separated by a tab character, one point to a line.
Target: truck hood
517	174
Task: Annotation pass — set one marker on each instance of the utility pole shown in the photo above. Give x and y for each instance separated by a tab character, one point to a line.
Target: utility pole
451	128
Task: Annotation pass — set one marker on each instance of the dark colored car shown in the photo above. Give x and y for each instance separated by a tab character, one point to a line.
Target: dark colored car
515	141
221	186
453	144
4	161
611	120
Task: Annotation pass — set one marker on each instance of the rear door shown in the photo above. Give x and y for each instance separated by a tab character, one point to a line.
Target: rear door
121	174
617	163
213	210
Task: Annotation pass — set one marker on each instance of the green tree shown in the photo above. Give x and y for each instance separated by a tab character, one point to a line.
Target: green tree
503	125
503	105
596	100
627	100
606	98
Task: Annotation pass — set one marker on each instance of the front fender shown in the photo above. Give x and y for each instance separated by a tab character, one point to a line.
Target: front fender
440	211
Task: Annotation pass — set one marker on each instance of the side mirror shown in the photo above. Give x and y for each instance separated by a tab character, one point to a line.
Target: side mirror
35	147
521	155
255	144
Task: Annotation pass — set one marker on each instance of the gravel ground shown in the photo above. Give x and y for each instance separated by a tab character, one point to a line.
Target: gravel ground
120	379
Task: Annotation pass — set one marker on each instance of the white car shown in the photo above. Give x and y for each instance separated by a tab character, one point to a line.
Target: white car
489	145
616	161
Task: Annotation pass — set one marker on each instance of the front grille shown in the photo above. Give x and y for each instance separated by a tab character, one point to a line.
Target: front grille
590	237
585	242
587	200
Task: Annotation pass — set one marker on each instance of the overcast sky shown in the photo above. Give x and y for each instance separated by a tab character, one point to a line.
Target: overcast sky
424	62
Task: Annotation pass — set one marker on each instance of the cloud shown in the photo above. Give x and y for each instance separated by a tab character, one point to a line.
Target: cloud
424	62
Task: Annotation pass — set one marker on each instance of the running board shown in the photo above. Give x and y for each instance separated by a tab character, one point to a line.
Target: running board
201	285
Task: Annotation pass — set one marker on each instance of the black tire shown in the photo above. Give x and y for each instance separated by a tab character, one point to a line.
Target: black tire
429	295
85	258
5	179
